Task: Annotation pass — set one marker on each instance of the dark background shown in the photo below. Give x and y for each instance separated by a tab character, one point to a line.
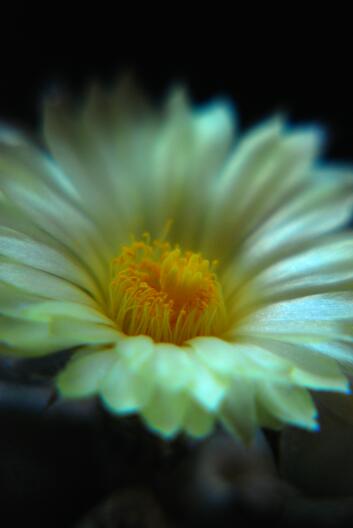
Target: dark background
53	466
302	67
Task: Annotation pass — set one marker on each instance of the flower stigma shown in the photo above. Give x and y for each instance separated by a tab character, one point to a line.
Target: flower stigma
166	293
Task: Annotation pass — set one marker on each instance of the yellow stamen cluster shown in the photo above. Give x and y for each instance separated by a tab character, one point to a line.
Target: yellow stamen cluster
165	293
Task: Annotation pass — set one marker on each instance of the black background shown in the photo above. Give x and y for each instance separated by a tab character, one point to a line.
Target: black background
302	67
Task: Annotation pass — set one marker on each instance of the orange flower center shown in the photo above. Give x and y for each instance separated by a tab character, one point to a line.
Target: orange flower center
165	293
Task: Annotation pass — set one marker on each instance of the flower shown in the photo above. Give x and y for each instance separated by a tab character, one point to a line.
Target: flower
197	276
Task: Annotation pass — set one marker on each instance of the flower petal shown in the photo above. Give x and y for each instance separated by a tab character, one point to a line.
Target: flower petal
309	367
84	373
23	337
42	284
165	412
293	405
314	318
198	422
238	412
29	252
173	367
126	391
207	388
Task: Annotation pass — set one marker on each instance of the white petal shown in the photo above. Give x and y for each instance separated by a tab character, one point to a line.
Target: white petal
42	284
324	268
23	337
64	226
125	391
313	318
82	331
136	352
172	366
198	422
188	152
100	178
32	253
24	162
238	412
84	374
48	310
217	354
290	404
207	388
165	412
323	205
308	365
254	178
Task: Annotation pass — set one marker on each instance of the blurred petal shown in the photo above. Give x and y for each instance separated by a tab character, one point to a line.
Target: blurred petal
289	404
165	412
125	391
85	373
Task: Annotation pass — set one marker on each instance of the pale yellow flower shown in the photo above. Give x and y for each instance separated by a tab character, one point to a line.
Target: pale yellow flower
199	275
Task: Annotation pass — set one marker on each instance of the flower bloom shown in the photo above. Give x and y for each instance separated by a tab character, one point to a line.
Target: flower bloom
198	275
